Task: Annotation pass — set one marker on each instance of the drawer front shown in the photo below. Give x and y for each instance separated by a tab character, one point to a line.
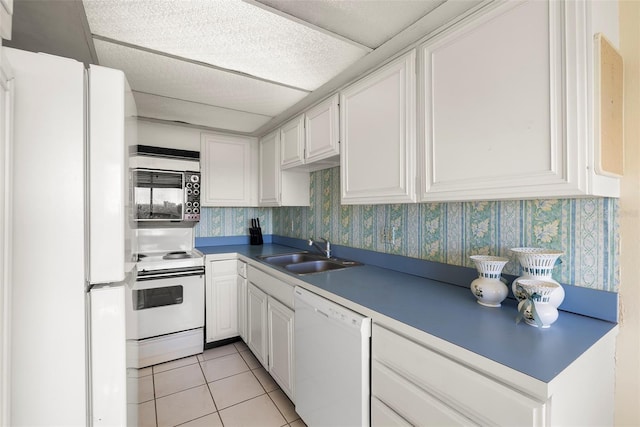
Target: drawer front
223	268
475	395
278	289
382	415
242	269
411	402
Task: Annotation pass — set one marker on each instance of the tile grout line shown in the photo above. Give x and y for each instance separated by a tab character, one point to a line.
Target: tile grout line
207	383
155	403
215	405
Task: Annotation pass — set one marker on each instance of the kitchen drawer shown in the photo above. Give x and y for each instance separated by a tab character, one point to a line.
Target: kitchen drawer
223	268
382	415
242	269
411	402
476	396
276	288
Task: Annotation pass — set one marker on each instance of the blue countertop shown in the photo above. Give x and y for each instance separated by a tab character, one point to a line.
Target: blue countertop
451	313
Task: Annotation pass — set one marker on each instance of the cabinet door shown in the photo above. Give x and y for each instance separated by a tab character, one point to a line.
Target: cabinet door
281	362
228	166
278	187
6	220
410	402
292	143
270	169
6	12
242	308
322	134
378	136
382	415
257	323
441	391
505	102
221	300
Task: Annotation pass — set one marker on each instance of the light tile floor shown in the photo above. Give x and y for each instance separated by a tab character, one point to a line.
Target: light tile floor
224	386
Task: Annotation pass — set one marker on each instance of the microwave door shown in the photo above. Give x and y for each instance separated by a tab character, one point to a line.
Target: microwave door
158	195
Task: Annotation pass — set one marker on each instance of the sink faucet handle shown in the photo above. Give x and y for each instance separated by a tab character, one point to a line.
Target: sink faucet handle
328	247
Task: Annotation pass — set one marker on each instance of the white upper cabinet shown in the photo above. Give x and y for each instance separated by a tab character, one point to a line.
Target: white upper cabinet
506	104
292	143
378	136
322	135
280	187
270	169
310	142
6	15
229	170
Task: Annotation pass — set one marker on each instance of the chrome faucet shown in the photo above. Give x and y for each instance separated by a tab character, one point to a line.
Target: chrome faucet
326	251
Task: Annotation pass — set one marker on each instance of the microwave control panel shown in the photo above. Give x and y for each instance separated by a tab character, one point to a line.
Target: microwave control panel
192	194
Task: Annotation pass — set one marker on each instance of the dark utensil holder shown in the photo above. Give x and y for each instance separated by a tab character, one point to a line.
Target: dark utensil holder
255	232
255	235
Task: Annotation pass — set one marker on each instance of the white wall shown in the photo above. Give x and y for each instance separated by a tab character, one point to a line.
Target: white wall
628	346
168	136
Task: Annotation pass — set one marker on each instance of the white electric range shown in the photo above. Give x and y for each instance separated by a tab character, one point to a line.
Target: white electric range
165	305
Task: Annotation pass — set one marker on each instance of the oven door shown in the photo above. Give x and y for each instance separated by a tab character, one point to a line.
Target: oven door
164	303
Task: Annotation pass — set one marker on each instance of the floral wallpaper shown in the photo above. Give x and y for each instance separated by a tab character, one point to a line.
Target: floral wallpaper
218	222
585	229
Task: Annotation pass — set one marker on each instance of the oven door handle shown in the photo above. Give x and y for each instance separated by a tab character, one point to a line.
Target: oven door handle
167	274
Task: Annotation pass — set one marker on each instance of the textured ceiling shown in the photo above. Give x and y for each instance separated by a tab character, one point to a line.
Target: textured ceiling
233	65
368	22
229	34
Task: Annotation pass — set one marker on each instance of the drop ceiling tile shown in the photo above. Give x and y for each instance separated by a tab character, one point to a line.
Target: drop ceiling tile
230	34
158	107
156	74
370	23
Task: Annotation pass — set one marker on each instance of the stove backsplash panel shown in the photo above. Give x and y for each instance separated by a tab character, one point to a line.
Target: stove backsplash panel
164	239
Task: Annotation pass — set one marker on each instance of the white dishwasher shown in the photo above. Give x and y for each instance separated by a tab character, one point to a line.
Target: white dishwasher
332	362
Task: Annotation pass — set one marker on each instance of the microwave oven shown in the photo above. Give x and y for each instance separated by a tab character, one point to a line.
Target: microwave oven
165	195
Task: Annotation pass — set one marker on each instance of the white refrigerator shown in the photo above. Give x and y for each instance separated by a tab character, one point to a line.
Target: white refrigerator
71	242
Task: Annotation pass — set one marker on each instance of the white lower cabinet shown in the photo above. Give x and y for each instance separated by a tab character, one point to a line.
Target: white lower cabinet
257	323
281	362
270	326
242	300
382	415
422	381
221	299
423	387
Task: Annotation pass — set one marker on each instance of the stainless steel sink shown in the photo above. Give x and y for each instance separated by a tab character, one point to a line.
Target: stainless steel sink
314	266
306	263
286	259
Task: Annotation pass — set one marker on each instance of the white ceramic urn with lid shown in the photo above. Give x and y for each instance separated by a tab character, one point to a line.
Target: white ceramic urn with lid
538	263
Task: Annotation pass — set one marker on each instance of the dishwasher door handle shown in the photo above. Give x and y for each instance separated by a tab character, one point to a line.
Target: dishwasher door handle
321	312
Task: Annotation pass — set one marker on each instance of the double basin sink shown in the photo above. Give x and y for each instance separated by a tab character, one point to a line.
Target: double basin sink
302	263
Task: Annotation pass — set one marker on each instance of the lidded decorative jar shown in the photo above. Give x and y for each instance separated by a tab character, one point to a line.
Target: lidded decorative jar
538	263
488	289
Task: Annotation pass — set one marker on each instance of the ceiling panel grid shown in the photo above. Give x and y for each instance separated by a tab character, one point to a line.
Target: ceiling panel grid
227	33
161	75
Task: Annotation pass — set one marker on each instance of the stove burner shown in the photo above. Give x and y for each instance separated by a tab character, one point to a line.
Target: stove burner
139	257
176	255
